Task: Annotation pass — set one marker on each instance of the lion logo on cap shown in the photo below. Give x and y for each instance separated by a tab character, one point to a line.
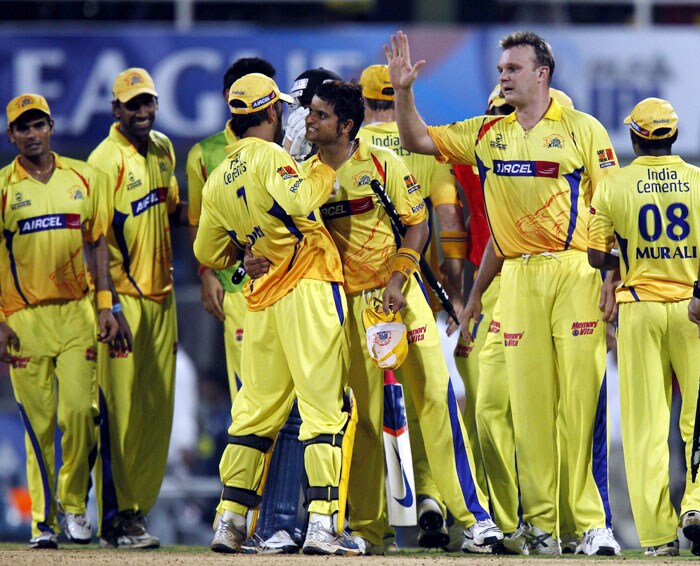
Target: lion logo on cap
135	79
26	101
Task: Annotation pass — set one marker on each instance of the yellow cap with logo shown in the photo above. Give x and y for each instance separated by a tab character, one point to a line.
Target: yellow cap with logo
652	115
375	83
131	83
25	102
254	92
386	336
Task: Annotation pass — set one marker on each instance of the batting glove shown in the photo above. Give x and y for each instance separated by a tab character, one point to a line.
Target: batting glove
296	134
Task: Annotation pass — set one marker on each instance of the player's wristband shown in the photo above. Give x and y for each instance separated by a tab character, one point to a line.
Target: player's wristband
696	290
117	308
454	245
104	300
201	271
405	262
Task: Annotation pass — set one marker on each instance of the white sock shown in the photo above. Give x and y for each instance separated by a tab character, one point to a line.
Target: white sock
325	520
237	520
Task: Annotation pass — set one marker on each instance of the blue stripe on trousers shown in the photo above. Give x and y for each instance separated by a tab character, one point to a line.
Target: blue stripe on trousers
600	451
464	474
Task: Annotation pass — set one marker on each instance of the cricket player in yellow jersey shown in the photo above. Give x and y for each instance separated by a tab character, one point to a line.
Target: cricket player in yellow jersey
222	294
137	388
52	207
437	182
539	167
296	343
645	220
375	262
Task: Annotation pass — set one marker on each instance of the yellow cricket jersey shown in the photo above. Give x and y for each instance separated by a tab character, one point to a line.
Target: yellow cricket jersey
652	208
258	196
537	184
145	191
356	219
43	227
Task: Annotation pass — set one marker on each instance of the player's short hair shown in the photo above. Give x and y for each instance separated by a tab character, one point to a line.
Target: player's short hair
543	51
240	123
654	145
379	105
346	99
246	65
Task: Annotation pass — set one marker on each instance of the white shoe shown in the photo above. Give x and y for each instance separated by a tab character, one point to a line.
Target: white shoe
529	539
481	537
600	542
227	537
78	528
668	549
280	542
128	531
322	540
45	540
433	530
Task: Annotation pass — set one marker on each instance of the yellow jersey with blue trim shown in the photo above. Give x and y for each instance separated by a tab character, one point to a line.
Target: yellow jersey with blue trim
538	183
258	196
652	209
44	226
356	219
144	191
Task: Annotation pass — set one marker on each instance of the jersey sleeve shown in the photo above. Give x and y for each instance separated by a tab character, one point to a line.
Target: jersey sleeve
598	156
443	186
601	235
195	182
214	245
101	205
456	141
403	190
298	193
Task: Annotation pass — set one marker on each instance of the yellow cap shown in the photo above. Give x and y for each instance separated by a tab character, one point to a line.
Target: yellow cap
561	97
650	115
131	83
256	91
25	102
375	83
386	336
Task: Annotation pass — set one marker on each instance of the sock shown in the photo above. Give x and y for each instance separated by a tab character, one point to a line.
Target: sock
325	520
237	520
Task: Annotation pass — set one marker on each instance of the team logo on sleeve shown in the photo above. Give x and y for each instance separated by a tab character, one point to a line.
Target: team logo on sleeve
554	141
606	157
287	172
411	184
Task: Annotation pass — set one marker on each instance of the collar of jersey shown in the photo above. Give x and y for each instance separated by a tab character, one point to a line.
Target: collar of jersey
554	112
228	133
20	173
657	160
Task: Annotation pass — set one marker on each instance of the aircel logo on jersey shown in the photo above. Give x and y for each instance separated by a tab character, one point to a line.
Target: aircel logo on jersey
347	207
583	328
548	169
49	222
156	196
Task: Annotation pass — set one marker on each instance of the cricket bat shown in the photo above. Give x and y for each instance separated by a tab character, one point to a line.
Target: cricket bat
401	499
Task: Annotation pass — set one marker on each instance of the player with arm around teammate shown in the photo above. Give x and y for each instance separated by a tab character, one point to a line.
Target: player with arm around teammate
296	343
52	207
650	211
539	168
376	263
